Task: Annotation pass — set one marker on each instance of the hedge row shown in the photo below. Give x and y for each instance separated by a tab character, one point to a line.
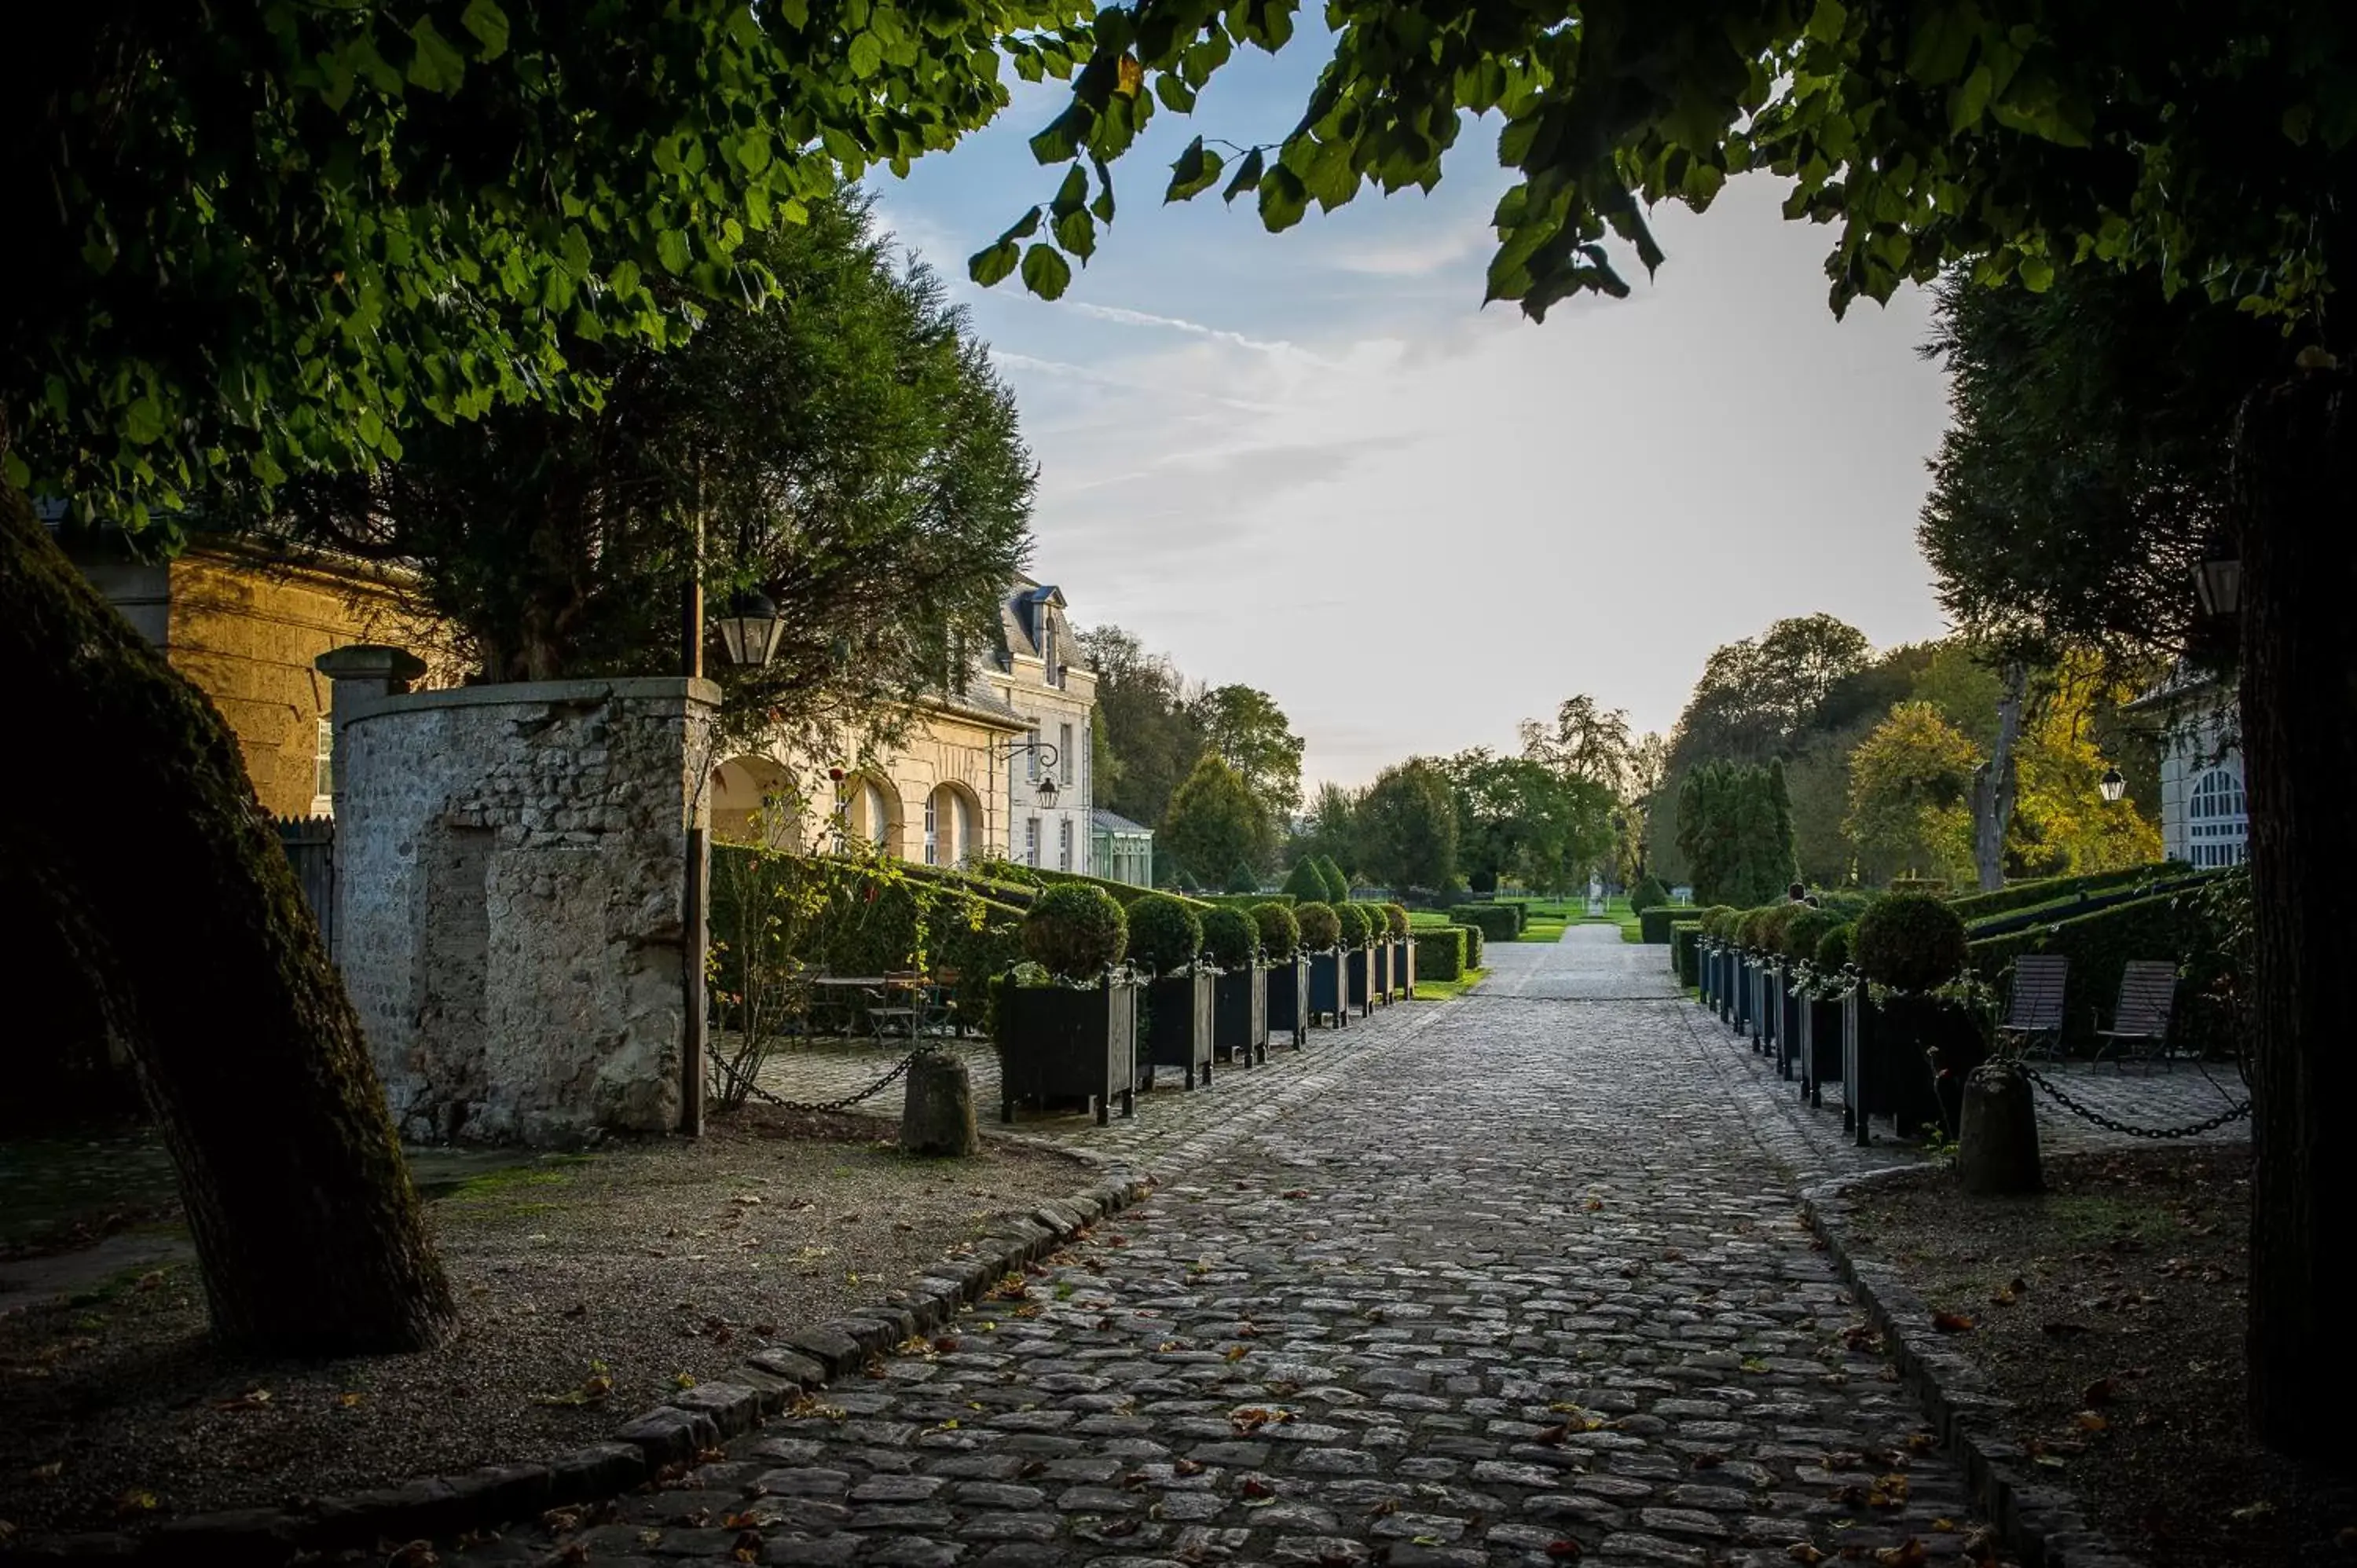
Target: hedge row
1476	940
2099	947
1440	951
2015	895
2086	901
1685	950
1018	895
1498	923
1126	894
1250	900
1654	925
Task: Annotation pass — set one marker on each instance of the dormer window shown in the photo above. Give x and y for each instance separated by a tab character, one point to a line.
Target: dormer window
1048	649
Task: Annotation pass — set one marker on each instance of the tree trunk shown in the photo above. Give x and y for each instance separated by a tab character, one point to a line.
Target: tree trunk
146	850
1996	781
2293	482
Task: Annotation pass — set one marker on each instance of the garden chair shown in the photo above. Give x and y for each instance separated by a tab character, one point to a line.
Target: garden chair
2140	1022
2033	1017
896	1021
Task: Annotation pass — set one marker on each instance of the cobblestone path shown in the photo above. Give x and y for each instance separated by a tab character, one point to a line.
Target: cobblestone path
1521	1287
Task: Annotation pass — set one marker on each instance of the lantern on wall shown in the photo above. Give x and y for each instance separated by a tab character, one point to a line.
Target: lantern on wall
2113	784
749	632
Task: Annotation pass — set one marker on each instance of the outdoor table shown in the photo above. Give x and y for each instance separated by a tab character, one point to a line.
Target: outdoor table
851	987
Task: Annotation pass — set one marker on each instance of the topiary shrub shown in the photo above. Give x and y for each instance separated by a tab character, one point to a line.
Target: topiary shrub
1476	944
1353	920
1744	930
1910	941
1648	894
1231	937
1772	921
1320	928
1395	919
1834	946
1243	879
1165	934
1280	933
1075	930
1306	883
1338	887
1440	952
1804	930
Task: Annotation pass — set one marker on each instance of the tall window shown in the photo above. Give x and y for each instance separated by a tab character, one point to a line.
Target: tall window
1064	844
323	765
1064	752
2218	824
1031	754
933	829
1031	841
879	814
1048	648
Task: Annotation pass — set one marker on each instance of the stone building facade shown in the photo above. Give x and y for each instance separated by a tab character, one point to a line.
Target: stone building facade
246	627
2204	816
511	875
1037	675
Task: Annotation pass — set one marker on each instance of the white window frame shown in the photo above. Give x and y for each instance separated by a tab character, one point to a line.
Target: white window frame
1064	753
933	829
1031	755
1064	844
2217	820
323	770
1031	842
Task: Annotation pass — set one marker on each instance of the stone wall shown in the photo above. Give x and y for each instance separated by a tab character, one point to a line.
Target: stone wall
511	869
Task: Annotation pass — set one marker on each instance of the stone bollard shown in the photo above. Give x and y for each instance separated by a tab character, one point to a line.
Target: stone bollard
1997	1145
937	1118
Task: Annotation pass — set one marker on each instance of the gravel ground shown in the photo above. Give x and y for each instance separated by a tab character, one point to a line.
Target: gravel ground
632	1268
2111	1310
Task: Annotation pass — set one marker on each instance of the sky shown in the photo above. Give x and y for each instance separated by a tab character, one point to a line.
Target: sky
1314	463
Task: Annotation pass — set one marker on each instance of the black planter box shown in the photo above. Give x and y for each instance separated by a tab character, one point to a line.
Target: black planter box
1729	967
1360	963
1178	1025
1329	997
1240	1015
1747	995
1788	1026
1403	965
1379	970
1820	1050
1286	991
1886	1071
1060	1043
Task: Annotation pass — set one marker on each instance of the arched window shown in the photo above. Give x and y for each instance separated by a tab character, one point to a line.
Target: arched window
933	828
2218	824
878	815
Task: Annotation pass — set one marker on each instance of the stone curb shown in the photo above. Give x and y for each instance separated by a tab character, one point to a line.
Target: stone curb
2041	1523
696	1419
770	1379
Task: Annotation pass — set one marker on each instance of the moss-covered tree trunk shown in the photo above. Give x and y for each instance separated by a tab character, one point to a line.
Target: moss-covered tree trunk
135	835
2295	483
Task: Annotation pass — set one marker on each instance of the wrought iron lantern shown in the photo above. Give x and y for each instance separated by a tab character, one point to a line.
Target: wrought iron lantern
2114	785
2219	583
749	631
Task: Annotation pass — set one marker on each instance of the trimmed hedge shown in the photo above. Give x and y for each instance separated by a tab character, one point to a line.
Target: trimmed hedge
1685	951
1250	900
1124	894
1910	941
1496	922
1231	937
1319	927
1017	893
1075	931
1280	933
2099	947
1653	924
1476	941
1440	952
1165	935
1649	894
2084	901
2015	895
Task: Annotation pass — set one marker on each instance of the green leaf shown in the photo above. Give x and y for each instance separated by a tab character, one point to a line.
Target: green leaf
1103	205
436	67
624	279
1968	99
142	422
1827	22
1023	227
1073	194
866	54
2037	273
1196	170
489	25
1045	272
1077	232
1943	42
1248	175
993	263
1062	137
1283	200
672	251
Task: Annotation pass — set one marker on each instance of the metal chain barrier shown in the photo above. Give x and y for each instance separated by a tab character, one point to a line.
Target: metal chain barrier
812	1106
2088	1113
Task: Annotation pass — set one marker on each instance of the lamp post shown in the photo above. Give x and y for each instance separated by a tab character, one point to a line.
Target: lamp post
748	637
1043	788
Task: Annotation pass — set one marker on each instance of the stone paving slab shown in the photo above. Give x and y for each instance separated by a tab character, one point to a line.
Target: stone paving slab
1514	1279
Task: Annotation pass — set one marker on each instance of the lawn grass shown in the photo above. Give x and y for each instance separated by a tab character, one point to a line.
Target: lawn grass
1544	930
1443	989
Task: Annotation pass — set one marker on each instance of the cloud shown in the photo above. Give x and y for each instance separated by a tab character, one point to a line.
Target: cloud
1414	258
1195	329
1012	360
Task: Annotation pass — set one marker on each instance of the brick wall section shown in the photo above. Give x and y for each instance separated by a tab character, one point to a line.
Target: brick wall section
509	868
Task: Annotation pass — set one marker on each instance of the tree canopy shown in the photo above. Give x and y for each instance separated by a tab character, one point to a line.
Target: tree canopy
1408	828
1214	825
845	450
1251	735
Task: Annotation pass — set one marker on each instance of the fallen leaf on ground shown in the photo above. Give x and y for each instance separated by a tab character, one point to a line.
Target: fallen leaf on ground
2103	1390
1909	1553
2088	1420
1951	1323
1565	1549
348	1401
1254	1487
1803	1551
132	1501
252	1399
